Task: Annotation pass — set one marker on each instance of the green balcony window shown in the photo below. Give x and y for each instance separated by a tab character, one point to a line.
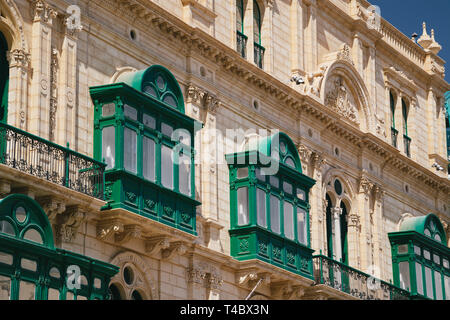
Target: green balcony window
419	252
32	268
269	221
146	140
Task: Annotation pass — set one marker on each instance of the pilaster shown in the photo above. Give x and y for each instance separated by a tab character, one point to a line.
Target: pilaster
41	52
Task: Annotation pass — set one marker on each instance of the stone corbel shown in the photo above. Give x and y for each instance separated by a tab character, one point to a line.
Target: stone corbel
107	227
5	188
244	278
69	222
365	185
286	291
213	280
155	245
52	206
175	248
131	231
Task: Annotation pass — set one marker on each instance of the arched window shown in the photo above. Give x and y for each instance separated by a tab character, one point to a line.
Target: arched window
257	24
150	151
336	222
241	38
4	79
406	138
128	284
421	258
31	268
269	199
394	131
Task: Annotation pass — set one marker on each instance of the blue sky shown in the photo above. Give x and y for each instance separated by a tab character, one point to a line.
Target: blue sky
408	15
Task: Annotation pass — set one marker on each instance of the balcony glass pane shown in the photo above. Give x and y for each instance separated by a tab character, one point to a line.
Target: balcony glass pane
288	220
427	254
27	290
149	121
274	182
447	288
261	207
403	248
301	226
301	194
419	278
166	167
242	173
53	294
417	250
438	284
184	174
33	235
108	109
28	264
259	176
275	213
109	147
6	258
130	150
242	195
130	112
148	158
166	129
404	275
287	187
5	288
429	282
6	227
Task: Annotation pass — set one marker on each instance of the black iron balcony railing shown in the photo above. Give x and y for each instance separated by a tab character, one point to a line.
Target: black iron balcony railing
259	55
47	160
354	282
394	135
241	45
407	145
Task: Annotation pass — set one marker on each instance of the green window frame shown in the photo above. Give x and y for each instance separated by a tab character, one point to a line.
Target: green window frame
31	268
405	116
276	227
421	258
150	162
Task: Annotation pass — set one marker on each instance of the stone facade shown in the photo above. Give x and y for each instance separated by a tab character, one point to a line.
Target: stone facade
339	117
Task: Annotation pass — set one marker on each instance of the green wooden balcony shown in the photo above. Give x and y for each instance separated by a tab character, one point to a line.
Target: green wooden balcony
407	145
241	44
47	160
259	55
356	283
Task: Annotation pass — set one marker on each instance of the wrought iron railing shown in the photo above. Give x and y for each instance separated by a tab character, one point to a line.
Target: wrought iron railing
241	44
44	159
407	145
354	282
394	135
259	55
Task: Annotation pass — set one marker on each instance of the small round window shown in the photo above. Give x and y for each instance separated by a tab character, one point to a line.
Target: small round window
21	214
33	235
290	162
136	295
170	101
283	147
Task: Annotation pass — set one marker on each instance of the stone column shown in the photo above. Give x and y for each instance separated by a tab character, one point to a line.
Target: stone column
378	233
248	30
41	53
365	188
358	54
353	240
317	195
336	229
67	115
267	35
297	37
311	49
19	76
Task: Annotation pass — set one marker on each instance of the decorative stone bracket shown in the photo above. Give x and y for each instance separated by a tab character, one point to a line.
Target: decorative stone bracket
52	206
67	223
175	248
112	226
286	291
154	245
131	231
250	278
204	274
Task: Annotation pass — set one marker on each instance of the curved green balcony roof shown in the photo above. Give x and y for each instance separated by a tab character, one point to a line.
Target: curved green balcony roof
428	225
158	82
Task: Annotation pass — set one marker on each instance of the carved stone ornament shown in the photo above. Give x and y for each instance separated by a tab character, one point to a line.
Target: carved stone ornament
341	100
41	11
154	245
69	222
345	54
315	80
204	274
202	98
